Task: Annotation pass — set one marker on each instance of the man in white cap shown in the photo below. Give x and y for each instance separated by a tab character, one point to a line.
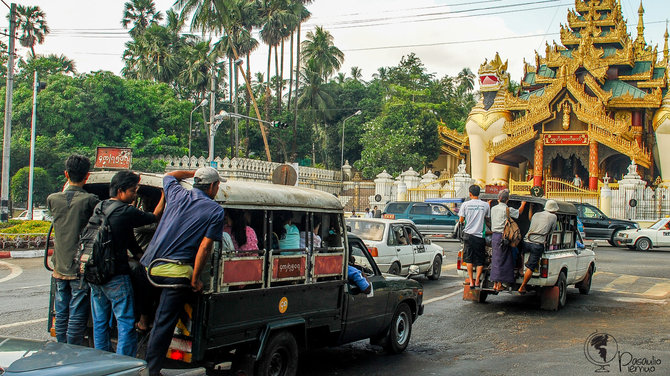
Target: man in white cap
541	225
191	223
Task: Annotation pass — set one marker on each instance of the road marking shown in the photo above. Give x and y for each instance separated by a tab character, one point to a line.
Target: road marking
622	280
22	323
640	300
658	290
35	286
14	271
442	297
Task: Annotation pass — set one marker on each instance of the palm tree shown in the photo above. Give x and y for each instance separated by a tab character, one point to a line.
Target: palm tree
466	80
33	26
140	13
304	16
356	73
320	49
314	95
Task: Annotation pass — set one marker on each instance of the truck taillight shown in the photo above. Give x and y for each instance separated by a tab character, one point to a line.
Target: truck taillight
459	261
373	251
544	268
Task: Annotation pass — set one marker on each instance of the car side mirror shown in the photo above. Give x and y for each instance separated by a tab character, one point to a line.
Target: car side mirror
413	270
426	241
348	228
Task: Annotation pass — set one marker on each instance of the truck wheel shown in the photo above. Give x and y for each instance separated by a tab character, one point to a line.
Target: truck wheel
643	244
585	285
437	269
562	290
394	269
397	339
280	356
482	296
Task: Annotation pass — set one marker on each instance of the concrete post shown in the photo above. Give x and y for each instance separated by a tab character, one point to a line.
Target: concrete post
606	197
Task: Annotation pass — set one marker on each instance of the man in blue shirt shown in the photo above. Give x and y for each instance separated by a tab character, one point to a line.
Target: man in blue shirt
191	223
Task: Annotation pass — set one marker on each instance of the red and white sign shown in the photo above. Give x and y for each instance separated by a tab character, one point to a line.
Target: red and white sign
113	158
565	139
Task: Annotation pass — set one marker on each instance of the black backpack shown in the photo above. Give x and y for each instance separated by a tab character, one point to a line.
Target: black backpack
96	257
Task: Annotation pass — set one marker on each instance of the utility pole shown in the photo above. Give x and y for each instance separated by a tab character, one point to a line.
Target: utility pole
6	141
32	149
212	108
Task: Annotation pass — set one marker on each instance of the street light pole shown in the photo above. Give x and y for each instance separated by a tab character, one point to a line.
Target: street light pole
6	141
343	122
213	127
190	124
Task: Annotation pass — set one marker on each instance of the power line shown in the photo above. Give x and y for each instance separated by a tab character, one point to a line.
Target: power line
419	8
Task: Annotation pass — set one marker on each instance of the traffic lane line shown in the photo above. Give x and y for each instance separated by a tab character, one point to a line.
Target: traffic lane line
5	326
438	298
14	271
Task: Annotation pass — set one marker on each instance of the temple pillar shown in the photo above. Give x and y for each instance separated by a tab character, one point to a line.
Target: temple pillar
537	167
593	165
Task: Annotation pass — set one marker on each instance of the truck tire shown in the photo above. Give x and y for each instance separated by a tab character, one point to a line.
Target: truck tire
562	289
279	357
436	269
643	244
585	285
482	296
399	333
394	268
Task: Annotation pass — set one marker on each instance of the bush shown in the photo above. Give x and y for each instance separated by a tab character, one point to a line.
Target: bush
27	227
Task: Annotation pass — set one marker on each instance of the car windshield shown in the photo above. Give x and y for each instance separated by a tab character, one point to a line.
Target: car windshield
367	230
396	207
659	224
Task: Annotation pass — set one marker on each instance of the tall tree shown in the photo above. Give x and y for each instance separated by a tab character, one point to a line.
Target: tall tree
315	97
33	26
139	13
319	48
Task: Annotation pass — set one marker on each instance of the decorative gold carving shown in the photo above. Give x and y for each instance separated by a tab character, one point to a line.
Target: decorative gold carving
486	119
494	68
566	115
511	142
660	117
651	100
453	143
597	117
630	148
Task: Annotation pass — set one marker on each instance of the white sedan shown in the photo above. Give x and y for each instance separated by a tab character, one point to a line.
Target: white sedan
658	235
395	244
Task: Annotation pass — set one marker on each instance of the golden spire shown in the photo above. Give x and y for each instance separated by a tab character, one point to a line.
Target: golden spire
640	26
665	46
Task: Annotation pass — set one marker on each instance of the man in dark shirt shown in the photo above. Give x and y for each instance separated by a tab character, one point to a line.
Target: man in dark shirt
71	209
117	294
193	221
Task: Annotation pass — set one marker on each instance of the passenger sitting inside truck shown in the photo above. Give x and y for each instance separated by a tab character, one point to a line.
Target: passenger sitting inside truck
288	235
243	236
356	276
317	239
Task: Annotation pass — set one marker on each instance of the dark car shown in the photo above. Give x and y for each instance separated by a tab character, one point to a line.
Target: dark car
27	357
432	219
599	226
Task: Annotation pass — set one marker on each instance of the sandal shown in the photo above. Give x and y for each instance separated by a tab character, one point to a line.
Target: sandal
140	330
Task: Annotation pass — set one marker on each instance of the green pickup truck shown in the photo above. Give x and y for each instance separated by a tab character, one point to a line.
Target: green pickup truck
260	308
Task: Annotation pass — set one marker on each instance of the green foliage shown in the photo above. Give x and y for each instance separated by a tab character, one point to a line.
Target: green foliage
41	185
27	227
10	223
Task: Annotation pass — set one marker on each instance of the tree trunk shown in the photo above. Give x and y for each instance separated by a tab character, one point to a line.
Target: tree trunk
294	147
278	78
267	87
290	80
281	77
246	129
232	93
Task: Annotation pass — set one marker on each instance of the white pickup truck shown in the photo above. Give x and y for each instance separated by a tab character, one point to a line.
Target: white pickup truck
565	261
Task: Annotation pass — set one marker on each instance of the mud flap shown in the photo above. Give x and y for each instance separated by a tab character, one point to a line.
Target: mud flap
549	298
470	294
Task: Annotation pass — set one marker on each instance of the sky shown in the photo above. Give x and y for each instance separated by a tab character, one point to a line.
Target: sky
447	35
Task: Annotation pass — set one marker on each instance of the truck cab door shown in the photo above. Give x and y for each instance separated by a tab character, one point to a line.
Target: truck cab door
442	219
365	315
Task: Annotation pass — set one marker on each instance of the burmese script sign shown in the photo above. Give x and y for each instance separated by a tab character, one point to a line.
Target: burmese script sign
565	139
113	158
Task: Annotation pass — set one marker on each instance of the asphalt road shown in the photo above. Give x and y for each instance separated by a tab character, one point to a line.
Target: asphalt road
507	335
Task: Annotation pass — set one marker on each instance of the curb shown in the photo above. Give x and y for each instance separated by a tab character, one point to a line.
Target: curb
24	253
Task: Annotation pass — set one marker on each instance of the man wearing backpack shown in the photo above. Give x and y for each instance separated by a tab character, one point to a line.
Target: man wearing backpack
116	294
193	221
70	209
502	260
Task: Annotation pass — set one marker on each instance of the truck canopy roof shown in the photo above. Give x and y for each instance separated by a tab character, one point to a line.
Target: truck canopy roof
245	194
563	207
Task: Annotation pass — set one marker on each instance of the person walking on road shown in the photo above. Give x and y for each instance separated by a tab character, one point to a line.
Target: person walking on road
541	225
116	295
71	210
192	222
377	212
502	259
473	214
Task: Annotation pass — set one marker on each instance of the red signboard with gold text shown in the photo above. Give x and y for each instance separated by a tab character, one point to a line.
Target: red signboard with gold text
565	139
110	157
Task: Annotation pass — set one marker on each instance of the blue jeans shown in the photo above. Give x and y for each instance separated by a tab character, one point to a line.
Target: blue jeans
114	296
71	306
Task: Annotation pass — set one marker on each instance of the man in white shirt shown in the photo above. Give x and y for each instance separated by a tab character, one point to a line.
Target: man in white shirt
577	181
473	214
541	225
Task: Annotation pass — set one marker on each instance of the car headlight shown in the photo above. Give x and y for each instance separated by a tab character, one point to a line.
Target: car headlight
623	235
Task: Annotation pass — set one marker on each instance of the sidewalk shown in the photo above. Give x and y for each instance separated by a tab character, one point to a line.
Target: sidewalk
24	253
